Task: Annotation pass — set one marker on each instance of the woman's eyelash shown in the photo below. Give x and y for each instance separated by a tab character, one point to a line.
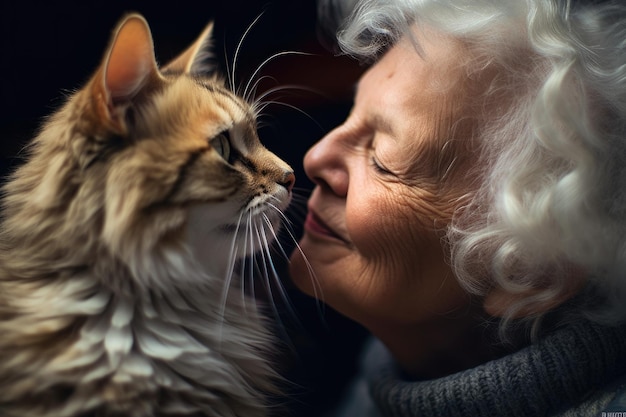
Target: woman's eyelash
379	168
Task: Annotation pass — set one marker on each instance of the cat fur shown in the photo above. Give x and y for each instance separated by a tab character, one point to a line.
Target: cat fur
116	242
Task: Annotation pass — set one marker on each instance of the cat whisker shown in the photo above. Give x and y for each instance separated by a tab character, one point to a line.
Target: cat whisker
299	201
273	275
317	289
298	209
263	264
300	194
266	260
232	251
245	94
230	271
301	213
247	261
291	106
271	228
254	88
282	88
229	79
288	223
284	218
305	191
242	263
238	48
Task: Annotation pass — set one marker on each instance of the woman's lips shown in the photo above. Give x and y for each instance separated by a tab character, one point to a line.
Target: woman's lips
315	225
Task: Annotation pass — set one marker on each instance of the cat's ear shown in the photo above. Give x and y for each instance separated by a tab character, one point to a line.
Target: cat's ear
193	59
128	66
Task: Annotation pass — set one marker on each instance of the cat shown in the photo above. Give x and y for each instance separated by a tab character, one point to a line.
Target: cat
119	240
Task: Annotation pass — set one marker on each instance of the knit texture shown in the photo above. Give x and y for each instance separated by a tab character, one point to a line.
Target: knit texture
574	371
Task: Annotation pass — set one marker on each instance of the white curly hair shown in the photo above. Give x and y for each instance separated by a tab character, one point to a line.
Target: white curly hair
549	204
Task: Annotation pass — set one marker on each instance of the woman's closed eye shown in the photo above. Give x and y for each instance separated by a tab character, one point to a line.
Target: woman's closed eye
379	167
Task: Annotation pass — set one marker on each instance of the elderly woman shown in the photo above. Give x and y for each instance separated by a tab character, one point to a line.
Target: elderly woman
471	211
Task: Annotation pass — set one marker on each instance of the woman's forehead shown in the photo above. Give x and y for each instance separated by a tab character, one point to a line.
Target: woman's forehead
405	88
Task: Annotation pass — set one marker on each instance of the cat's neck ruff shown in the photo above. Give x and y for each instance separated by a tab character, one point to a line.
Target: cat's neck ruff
178	350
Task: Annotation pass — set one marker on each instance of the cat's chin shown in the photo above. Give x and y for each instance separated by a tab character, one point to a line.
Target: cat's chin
219	244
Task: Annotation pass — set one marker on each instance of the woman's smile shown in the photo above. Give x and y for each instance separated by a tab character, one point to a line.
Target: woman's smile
315	225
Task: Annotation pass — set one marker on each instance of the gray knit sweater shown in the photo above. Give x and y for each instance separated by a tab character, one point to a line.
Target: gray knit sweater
578	370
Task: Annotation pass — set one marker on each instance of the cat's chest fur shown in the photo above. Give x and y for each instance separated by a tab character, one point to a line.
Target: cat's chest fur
121	237
134	355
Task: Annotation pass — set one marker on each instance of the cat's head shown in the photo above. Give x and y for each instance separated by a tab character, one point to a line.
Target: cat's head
145	164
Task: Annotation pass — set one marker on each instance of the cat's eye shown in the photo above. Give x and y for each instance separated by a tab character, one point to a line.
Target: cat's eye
221	144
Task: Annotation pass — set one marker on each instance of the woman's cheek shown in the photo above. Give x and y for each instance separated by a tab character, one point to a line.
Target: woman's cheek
379	227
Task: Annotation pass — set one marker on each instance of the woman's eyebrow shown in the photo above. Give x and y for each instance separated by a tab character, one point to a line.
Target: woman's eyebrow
382	124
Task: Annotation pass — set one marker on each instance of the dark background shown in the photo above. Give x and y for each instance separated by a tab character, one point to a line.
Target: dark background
49	49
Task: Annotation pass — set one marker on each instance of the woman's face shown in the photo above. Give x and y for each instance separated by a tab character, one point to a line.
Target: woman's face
387	183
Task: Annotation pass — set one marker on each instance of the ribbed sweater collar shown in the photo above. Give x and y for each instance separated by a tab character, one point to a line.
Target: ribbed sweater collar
540	379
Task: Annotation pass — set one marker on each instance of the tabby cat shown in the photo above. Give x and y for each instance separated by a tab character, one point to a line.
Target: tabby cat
119	235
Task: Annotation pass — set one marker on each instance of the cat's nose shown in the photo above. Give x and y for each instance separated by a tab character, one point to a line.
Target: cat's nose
288	181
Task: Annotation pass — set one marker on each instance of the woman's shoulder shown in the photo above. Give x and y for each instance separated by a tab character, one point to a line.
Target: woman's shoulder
577	370
606	401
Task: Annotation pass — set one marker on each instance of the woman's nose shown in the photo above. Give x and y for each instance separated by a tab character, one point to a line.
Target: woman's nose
325	163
